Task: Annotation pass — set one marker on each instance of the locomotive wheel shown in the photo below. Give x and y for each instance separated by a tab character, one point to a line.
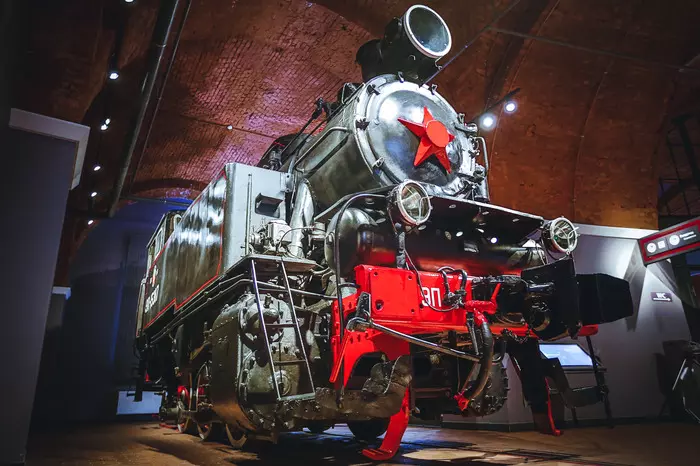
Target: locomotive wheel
368	431
211	429
184	425
236	437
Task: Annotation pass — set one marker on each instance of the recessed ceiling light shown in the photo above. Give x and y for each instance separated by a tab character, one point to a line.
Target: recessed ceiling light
93	194
97	168
113	75
488	121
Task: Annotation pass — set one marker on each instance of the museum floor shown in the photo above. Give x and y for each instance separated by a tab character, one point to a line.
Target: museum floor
149	444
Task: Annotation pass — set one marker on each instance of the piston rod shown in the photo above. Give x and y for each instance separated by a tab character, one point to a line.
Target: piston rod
359	324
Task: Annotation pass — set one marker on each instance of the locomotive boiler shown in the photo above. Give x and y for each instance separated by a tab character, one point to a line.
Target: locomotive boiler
360	274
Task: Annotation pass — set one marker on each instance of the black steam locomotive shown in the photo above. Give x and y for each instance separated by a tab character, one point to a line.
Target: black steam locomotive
359	274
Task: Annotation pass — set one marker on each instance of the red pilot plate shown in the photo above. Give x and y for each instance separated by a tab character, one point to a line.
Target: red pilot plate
673	241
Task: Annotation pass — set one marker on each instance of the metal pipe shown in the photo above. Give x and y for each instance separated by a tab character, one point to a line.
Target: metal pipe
486	163
161	91
154	200
302	216
424	343
608	53
248	213
161	32
484	364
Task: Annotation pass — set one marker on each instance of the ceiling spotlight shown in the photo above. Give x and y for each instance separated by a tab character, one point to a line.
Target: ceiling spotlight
104	127
493	240
108	121
113	75
510	107
458	234
93	194
97	168
129	1
488	121
90	222
229	127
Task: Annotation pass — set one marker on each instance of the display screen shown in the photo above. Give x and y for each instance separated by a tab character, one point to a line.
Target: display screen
569	354
150	404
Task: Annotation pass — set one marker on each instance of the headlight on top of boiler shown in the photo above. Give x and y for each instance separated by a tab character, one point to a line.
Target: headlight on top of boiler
560	235
409	204
411	45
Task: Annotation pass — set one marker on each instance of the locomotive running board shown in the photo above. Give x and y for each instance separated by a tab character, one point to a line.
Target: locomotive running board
269	263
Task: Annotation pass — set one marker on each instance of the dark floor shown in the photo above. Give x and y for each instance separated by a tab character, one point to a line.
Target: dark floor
150	444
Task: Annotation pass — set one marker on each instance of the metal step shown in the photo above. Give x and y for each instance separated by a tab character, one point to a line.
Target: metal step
294	324
281	325
289	362
299	397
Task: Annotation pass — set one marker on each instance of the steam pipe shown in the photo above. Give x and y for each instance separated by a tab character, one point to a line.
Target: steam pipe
487	168
161	32
161	91
302	216
484	364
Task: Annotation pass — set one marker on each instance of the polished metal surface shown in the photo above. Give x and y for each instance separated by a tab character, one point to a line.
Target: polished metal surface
192	254
427	31
208	237
376	149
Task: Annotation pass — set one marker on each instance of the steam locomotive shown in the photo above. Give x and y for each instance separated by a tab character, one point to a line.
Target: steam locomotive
359	274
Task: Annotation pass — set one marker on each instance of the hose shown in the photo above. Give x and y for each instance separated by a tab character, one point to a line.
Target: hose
484	365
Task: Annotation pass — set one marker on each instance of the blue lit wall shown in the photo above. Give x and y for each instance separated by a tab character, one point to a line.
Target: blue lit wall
96	338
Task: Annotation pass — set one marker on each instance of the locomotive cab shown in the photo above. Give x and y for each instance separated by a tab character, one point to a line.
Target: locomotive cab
166	226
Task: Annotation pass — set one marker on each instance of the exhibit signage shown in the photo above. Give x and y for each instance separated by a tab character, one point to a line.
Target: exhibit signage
673	241
663	297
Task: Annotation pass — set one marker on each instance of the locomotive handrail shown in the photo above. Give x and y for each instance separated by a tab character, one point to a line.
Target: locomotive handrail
293	165
328	213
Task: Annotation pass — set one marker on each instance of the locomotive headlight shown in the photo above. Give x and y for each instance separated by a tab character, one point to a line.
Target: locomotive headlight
427	31
411	203
560	235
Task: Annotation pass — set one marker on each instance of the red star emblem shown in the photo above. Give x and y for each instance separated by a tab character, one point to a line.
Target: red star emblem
434	137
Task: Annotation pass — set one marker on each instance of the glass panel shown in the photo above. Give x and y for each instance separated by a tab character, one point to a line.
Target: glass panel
569	354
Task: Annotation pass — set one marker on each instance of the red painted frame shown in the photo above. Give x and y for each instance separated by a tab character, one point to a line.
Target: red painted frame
397	303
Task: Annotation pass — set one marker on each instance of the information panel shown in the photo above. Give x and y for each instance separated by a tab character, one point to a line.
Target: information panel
570	355
675	240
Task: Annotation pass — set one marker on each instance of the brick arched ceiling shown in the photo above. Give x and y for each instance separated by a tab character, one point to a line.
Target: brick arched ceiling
584	143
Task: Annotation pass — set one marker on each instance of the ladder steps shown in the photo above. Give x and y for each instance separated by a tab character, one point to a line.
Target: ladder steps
294	324
289	362
282	325
302	396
